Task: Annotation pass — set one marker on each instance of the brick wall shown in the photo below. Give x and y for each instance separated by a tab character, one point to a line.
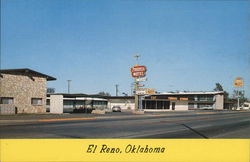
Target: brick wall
23	87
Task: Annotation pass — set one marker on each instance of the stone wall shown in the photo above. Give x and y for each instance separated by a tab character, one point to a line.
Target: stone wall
7	109
56	104
219	102
23	87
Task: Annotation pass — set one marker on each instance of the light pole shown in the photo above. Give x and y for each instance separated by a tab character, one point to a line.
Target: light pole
69	85
136	56
116	89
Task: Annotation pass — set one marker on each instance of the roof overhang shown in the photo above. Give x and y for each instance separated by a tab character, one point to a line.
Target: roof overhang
26	71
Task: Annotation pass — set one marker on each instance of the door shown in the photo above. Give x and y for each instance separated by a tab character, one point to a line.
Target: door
173	105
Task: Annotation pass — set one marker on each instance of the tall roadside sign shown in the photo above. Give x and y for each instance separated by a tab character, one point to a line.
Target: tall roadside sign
151	91
141	79
139	73
238	83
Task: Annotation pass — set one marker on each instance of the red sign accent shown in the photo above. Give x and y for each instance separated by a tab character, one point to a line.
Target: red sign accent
138	69
138	74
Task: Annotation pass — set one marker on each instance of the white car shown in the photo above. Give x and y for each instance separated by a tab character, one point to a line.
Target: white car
245	106
116	109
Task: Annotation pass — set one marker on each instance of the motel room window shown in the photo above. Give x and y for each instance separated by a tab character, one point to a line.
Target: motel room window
36	101
7	100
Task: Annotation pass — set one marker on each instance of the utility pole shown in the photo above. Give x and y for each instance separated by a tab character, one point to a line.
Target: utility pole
116	89
69	85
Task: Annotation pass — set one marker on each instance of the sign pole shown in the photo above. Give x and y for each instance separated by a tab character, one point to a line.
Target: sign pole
136	95
238	82
137	71
238	99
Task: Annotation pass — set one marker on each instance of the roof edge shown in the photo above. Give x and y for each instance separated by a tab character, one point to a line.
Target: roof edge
27	70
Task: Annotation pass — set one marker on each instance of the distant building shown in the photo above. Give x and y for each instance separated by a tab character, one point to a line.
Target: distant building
68	103
23	91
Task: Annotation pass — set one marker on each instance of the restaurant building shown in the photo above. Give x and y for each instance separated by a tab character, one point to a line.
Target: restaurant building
172	101
184	101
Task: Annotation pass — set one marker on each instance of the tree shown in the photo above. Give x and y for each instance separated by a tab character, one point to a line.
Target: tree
218	87
51	90
104	93
240	94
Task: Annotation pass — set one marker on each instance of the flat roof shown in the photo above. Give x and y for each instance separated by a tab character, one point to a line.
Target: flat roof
74	95
190	93
119	97
26	70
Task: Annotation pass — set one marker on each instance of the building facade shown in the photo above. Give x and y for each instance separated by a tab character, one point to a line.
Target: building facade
23	91
185	101
69	103
125	102
171	101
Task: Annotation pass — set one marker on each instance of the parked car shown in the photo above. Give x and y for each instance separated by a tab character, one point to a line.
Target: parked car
116	109
245	106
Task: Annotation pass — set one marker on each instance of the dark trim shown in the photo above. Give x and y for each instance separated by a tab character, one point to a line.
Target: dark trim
208	102
119	97
74	95
26	70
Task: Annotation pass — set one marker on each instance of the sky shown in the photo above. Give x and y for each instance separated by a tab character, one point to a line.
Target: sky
185	45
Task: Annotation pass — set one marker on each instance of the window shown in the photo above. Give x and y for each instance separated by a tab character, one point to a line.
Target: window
36	101
47	102
205	106
205	98
7	100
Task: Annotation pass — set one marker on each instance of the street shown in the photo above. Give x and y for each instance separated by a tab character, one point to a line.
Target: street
188	124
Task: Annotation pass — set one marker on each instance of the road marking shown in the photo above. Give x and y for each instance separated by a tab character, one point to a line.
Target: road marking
46	120
207	113
157	115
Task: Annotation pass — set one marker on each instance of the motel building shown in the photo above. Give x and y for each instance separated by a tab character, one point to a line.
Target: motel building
58	103
23	91
175	101
184	101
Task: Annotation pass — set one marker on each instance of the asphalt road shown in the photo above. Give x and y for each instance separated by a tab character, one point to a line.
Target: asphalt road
191	124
